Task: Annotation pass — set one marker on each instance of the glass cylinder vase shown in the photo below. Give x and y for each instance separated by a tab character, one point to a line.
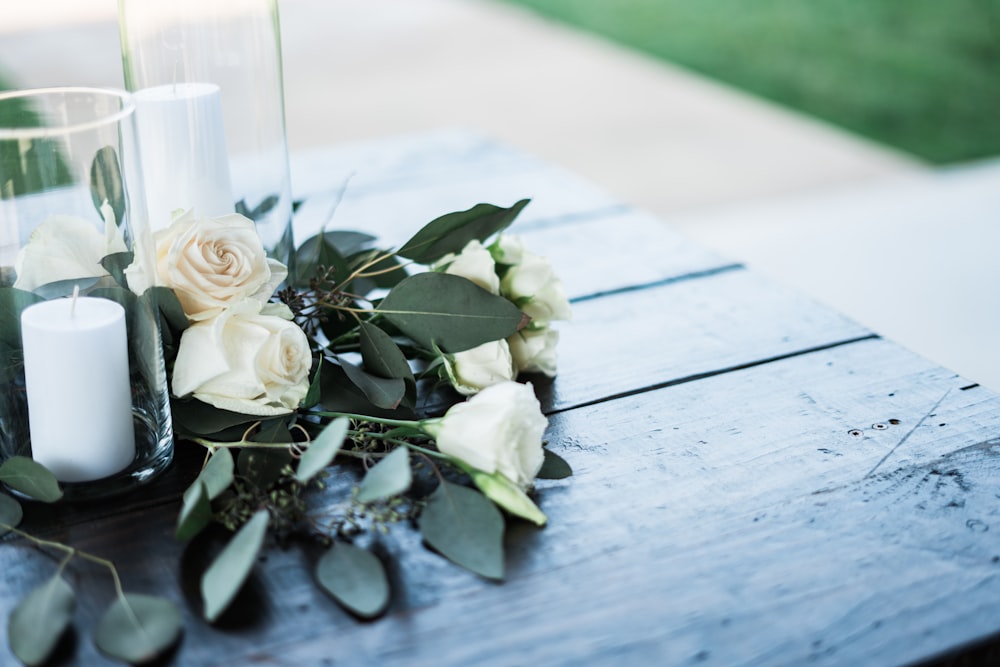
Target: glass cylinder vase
83	388
208	84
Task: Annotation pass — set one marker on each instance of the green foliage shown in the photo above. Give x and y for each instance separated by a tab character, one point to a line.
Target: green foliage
355	578
451	232
30	478
322	450
39	620
196	512
11	513
466	528
106	184
138	628
389	477
217	474
12	304
450	312
116	263
919	75
554	467
225	576
385	393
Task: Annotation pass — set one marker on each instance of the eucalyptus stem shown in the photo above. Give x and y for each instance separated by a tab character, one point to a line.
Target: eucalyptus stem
71	552
417	448
212	445
377	420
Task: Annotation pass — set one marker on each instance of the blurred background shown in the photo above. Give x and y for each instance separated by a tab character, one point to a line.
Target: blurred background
849	148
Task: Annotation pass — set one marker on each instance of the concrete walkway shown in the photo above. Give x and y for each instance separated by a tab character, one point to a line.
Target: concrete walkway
864	228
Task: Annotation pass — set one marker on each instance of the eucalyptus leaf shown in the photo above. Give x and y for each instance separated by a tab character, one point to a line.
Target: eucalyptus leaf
217	474
273	430
201	419
30	478
507	495
450	311
196	512
381	355
451	232
315	389
11	513
355	578
116	263
106	182
138	628
384	393
554	467
466	528
338	394
389	477
169	306
322	450
316	252
12	304
225	576
39	620
265	206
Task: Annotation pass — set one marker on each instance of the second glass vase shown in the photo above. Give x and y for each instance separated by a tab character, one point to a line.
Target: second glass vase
207	79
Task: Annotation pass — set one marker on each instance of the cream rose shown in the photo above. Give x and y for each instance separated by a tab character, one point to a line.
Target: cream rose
498	430
65	247
474	263
534	349
211	263
530	282
473	370
246	359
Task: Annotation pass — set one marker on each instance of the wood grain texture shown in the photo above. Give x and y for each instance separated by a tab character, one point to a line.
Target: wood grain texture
758	480
643	338
686	538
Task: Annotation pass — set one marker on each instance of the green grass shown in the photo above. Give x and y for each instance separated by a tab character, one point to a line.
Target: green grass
920	75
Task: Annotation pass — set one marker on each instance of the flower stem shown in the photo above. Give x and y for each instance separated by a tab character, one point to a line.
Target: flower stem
368	418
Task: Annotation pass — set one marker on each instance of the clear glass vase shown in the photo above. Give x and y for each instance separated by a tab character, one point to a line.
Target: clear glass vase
83	388
208	83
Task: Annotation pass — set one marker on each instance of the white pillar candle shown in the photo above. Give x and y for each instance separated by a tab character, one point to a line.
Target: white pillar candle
77	380
182	142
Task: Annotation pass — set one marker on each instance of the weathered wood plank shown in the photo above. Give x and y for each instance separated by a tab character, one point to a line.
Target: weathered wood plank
392	193
729	520
737	521
639	339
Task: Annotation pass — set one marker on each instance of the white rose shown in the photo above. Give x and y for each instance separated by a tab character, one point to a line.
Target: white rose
211	263
473	370
534	349
508	249
64	247
531	283
498	430
245	359
474	263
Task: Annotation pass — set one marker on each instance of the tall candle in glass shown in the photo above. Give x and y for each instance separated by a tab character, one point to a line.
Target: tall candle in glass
83	387
207	77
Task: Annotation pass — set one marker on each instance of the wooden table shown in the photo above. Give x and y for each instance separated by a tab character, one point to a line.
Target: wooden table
759	480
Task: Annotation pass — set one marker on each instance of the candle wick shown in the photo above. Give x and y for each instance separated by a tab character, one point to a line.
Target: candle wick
72	305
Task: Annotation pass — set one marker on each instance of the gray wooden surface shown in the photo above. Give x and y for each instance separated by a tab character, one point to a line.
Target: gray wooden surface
759	480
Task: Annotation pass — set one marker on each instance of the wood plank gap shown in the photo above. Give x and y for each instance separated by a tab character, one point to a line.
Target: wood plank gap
721	371
684	277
